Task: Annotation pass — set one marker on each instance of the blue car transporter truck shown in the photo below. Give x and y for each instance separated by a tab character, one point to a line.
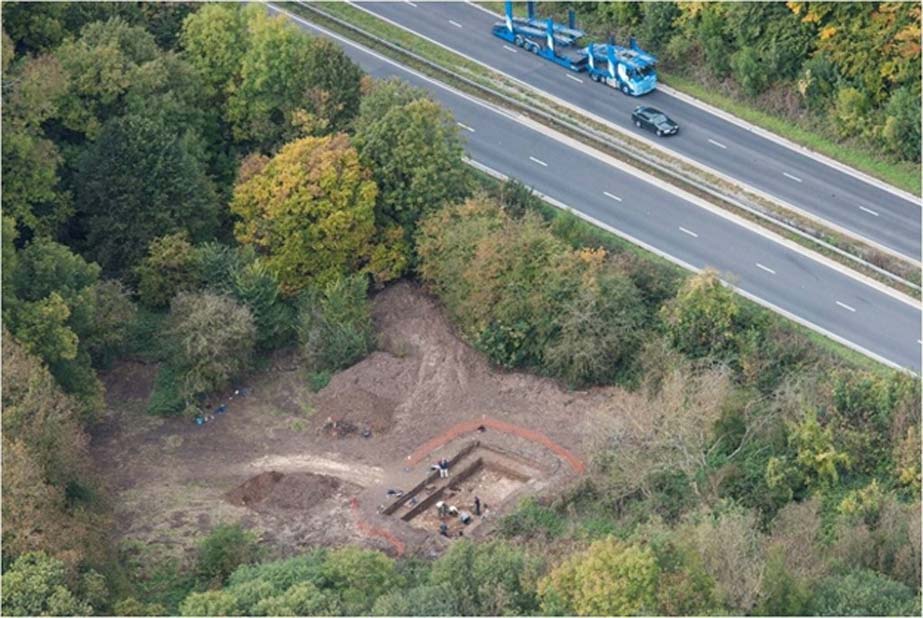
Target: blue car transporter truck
631	70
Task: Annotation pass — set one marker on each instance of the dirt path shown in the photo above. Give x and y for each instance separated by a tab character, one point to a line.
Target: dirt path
417	396
359	474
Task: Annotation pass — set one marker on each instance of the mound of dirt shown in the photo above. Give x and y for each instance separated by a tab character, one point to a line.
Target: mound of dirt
356	408
274	490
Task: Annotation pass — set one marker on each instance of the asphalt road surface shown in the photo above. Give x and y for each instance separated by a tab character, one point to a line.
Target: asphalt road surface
855	312
862	208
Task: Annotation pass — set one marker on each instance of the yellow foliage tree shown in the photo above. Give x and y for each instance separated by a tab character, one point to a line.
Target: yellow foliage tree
610	578
309	210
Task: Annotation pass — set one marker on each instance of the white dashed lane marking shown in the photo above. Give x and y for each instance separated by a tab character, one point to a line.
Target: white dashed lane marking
845	306
691	233
576	79
455	23
766	268
465	127
615	197
509	49
787	175
868	210
718	144
539	161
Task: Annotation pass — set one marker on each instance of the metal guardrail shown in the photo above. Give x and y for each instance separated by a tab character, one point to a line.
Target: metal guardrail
607	143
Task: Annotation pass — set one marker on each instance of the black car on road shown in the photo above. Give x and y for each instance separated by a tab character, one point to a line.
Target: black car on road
654	120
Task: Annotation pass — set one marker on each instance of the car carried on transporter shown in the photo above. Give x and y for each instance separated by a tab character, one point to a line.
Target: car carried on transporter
629	69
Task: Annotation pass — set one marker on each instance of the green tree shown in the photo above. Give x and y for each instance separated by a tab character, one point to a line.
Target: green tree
289	84
335	327
657	23
411	145
359	576
209	603
223	551
36	584
113	313
498	579
309	211
749	70
714	39
257	288
703	317
609	578
599	330
107	63
32	193
169	267
850	111
901	131
214	39
212	339
418	601
139	181
783	594
863	592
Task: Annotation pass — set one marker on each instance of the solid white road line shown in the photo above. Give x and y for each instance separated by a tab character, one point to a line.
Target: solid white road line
410	3
795	178
845	306
576	79
868	210
455	23
465	127
539	161
718	144
685	231
766	268
615	197
508	48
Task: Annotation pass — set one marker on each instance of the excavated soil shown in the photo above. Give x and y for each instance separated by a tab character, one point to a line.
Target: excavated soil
171	481
275	490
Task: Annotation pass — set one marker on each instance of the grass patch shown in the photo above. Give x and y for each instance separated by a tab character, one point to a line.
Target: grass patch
904	175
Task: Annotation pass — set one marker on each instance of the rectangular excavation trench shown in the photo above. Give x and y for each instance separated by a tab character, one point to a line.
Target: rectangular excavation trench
476	470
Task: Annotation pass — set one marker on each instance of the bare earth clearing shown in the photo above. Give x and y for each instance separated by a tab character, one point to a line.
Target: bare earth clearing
271	464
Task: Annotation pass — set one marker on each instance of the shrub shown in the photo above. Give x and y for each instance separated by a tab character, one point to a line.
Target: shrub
335	323
223	550
212	339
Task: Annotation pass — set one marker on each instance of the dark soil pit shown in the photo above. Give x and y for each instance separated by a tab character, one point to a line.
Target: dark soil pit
276	491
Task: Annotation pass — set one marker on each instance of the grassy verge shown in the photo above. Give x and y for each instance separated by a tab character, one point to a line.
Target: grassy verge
905	176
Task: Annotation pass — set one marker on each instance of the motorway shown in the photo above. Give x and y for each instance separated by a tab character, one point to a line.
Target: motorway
790	281
891	221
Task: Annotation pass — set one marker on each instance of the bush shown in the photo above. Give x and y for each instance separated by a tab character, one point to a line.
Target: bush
212	339
335	323
864	592
531	519
749	70
36	585
702	319
225	549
